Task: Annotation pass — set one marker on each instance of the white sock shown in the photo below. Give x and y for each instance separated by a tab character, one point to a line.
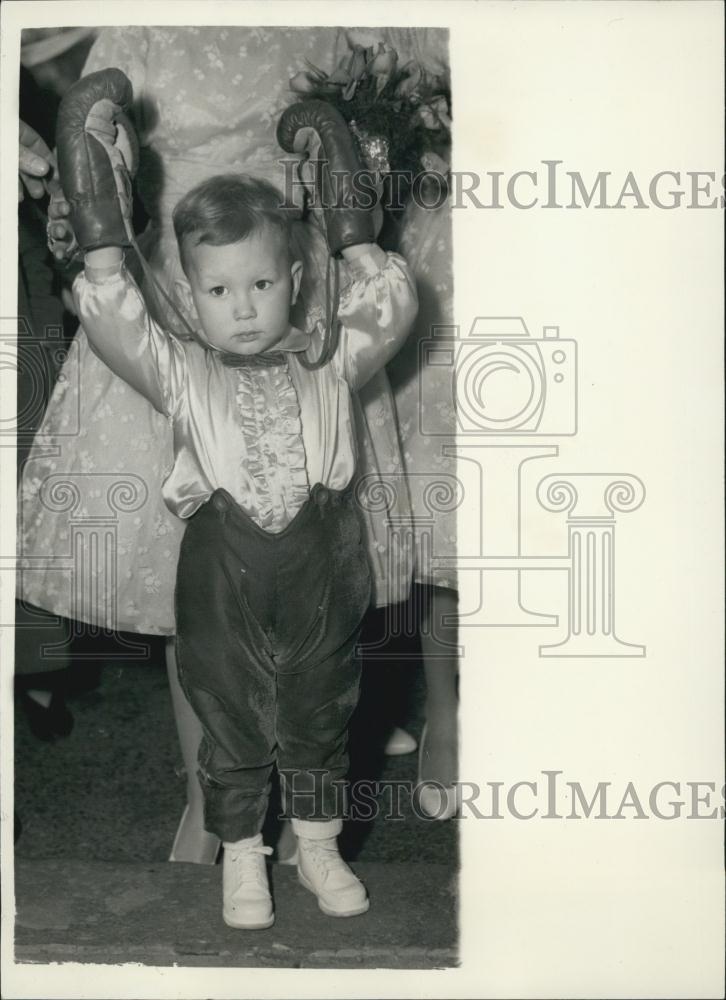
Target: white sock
244	842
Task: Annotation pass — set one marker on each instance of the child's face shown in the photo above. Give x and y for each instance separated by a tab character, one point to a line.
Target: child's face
243	291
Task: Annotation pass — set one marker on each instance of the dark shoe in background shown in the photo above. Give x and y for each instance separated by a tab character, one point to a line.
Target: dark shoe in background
51	723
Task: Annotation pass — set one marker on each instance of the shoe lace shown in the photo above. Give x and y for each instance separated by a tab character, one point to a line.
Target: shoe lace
325	856
247	865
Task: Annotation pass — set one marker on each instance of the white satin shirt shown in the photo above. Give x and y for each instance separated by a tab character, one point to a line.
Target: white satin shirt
264	434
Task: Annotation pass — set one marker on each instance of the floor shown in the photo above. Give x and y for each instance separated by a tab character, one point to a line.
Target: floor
112	793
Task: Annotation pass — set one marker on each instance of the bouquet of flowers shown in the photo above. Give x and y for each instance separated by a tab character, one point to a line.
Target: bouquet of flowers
400	116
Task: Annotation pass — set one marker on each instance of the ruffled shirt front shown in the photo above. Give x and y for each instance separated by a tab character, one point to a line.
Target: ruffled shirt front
269	415
264	434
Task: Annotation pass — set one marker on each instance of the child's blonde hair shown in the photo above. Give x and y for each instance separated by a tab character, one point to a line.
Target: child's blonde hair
226	209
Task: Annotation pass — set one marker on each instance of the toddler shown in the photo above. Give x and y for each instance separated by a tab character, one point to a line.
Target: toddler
272	581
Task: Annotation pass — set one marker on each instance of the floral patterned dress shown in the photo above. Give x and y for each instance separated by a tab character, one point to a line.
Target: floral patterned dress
96	541
423	391
418	387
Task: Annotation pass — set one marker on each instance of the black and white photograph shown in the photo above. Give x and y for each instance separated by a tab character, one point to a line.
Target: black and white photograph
339	363
295	460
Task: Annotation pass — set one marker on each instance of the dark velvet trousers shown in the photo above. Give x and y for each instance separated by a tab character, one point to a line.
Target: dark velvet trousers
267	626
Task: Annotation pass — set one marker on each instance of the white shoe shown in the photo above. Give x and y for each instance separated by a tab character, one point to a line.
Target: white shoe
399	743
246	890
323	872
436	801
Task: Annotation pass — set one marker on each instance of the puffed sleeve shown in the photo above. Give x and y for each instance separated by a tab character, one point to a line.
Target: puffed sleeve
376	313
121	332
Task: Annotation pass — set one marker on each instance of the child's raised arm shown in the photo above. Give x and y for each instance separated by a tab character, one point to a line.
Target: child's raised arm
380	304
97	154
121	332
376	313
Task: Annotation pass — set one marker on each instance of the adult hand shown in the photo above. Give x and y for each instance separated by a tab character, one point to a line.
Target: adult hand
61	241
35	162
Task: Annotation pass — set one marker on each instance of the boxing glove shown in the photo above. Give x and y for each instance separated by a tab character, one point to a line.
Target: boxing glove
97	157
346	199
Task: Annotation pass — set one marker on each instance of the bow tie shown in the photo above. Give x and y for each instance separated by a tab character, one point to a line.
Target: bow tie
253	360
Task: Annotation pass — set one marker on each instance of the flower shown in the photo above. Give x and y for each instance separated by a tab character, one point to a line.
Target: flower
311	80
434	164
384	61
397	113
302	84
351	70
435	113
383	64
340	74
357	63
413	75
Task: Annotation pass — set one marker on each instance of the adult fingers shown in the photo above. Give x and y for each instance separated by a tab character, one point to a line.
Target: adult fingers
31	163
34	186
58	209
30	139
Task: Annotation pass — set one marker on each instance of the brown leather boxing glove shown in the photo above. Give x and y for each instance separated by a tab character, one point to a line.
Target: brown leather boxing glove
347	200
97	157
